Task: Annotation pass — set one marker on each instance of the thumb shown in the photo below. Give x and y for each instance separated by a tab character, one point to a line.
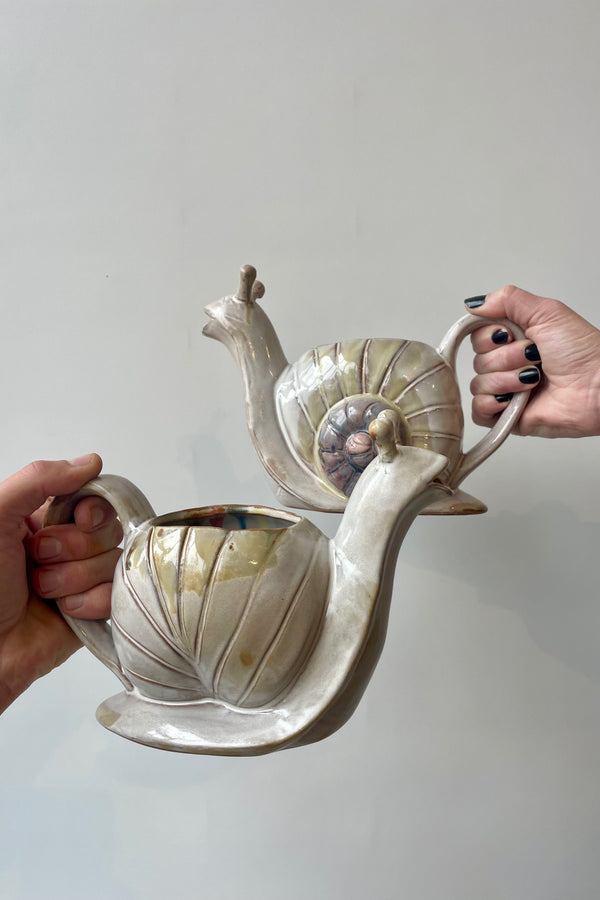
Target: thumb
28	489
508	303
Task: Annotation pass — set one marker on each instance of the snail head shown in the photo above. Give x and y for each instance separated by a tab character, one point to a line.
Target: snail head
232	314
239	322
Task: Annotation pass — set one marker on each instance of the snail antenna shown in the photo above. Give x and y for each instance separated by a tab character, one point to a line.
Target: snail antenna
250	289
258	291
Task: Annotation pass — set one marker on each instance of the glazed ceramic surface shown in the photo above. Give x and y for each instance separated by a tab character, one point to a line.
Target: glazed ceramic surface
309	421
227	603
240	630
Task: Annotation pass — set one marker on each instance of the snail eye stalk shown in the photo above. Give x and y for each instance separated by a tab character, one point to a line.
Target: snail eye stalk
250	290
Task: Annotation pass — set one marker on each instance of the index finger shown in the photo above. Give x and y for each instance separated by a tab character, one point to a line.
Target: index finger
24	492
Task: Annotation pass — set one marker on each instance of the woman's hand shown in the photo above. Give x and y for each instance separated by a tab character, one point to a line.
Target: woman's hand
560	358
72	562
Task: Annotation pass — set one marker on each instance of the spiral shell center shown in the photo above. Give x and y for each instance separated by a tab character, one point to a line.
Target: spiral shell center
360	449
344	446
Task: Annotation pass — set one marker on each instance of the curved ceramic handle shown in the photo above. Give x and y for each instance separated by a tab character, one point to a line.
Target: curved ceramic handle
510	415
132	508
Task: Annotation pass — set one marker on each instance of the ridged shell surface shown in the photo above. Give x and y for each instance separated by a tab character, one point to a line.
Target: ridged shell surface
219	612
407	375
343	444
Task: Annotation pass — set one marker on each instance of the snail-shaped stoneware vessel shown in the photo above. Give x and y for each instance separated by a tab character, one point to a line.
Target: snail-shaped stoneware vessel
309	421
242	630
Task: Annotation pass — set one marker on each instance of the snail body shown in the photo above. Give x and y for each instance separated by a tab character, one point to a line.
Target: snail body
242	630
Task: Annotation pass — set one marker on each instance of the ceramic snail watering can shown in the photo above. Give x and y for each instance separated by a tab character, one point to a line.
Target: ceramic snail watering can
309	420
242	630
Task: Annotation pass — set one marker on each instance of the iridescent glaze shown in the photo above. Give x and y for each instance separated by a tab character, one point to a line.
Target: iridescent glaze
242	630
337	389
302	416
344	446
235	608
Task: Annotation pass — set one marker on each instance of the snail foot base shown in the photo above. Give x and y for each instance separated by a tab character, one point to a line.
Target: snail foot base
207	726
457	504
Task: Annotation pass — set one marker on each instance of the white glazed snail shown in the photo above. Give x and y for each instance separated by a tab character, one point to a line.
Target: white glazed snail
245	630
309	421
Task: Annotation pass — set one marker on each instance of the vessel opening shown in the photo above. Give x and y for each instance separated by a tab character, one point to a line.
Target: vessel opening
227	518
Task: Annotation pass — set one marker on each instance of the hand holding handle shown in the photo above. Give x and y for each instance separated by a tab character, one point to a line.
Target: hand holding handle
510	415
132	508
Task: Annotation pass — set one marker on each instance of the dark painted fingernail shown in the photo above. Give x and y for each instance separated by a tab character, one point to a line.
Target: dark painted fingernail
532	353
474	302
503	398
501	336
529	376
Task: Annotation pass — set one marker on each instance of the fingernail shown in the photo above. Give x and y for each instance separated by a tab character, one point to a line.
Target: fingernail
97	516
529	376
48	547
503	398
49	581
501	336
72	603
532	353
82	460
474	302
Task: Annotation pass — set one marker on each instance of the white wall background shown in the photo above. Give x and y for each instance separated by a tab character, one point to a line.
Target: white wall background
378	162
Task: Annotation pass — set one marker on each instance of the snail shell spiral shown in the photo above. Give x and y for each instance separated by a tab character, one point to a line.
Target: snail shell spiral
227	605
326	400
344	446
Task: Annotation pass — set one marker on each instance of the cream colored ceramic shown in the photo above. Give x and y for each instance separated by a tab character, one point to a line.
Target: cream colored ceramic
309	421
241	630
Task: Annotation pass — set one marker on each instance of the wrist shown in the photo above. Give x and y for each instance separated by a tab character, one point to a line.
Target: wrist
593	404
12	679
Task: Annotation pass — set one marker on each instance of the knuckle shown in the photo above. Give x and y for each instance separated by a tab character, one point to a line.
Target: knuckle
553	309
479	363
76	544
509	292
78	571
38	470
